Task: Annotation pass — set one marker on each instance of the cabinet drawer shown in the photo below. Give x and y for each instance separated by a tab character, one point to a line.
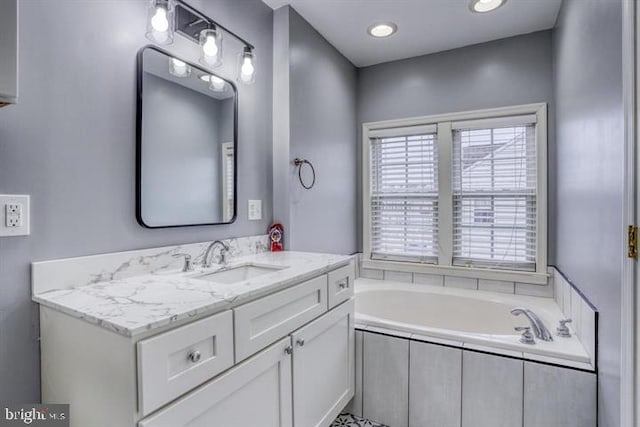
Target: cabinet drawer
174	362
341	284
262	322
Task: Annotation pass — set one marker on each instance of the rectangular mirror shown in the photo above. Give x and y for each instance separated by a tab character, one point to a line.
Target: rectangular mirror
186	143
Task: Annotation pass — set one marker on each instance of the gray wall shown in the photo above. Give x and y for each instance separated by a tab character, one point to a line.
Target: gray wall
70	143
322	128
506	72
587	57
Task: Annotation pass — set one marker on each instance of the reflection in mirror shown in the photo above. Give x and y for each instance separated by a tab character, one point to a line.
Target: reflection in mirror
186	143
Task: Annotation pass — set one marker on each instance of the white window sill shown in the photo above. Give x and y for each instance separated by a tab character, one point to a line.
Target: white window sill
530	277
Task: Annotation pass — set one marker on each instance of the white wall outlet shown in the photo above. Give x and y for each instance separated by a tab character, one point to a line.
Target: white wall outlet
15	215
255	210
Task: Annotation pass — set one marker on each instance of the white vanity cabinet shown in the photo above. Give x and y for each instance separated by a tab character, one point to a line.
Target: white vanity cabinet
282	360
8	52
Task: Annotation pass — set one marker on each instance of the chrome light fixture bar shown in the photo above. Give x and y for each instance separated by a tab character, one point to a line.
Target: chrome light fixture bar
167	16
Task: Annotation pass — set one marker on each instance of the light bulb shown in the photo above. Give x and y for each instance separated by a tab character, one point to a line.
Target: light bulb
211	45
210	48
159	22
247	68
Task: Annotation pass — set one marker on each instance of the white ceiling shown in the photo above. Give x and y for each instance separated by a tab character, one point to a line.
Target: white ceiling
424	26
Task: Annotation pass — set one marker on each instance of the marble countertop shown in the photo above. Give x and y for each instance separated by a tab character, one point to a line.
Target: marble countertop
134	305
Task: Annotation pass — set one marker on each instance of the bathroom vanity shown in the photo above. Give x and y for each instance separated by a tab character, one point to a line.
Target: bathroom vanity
267	340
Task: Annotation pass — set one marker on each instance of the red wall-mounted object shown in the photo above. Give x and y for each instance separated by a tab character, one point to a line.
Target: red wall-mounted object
276	237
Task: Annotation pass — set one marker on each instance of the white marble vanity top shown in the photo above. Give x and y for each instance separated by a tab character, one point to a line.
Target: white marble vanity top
134	305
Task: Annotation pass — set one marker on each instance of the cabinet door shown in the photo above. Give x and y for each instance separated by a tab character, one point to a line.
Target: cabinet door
255	393
323	367
558	397
491	390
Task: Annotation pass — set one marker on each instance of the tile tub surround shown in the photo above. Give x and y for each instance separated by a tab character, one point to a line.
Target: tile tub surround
462	282
402	323
583	314
79	271
133	305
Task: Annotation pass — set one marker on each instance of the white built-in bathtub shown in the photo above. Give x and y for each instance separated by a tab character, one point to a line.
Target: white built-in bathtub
467	318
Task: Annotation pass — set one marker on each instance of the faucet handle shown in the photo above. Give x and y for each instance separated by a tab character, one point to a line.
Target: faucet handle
188	265
563	329
527	336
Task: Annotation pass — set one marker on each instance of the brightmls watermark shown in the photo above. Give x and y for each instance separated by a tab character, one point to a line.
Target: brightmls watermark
34	414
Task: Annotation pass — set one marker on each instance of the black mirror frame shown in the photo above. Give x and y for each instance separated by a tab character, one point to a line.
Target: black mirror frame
140	71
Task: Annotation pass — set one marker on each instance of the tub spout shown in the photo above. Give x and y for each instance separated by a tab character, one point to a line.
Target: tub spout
539	329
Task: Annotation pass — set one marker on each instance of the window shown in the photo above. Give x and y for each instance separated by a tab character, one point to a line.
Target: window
404	194
459	191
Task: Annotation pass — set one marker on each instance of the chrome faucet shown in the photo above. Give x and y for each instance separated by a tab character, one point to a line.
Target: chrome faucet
539	329
224	248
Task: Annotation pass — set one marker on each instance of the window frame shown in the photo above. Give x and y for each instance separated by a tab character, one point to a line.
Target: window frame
445	195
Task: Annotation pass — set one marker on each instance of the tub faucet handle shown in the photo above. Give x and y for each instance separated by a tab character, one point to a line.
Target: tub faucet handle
563	329
527	336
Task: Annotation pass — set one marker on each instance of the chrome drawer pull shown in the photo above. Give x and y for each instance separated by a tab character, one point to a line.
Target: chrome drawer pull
288	349
300	342
344	284
194	356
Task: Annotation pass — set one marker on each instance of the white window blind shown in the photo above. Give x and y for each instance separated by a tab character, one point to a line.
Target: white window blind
494	194
404	194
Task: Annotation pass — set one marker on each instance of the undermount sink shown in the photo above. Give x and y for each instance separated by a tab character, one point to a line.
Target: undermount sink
238	274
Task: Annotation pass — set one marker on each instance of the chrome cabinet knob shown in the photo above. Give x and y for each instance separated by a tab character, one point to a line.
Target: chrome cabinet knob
288	349
300	342
194	356
343	285
527	336
563	329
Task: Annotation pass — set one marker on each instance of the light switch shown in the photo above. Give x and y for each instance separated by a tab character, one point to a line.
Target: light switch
255	210
14	215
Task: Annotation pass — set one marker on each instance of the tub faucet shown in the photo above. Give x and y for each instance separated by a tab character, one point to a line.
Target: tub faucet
539	329
224	248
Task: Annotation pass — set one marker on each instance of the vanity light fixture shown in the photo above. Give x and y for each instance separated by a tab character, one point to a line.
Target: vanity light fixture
165	16
482	6
160	22
382	29
246	66
179	68
211	45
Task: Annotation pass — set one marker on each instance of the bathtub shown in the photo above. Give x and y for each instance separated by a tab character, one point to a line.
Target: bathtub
464	318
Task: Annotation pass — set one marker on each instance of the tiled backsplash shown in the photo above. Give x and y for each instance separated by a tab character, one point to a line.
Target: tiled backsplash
583	315
461	282
72	272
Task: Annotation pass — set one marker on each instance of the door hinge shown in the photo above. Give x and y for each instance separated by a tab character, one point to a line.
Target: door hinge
632	242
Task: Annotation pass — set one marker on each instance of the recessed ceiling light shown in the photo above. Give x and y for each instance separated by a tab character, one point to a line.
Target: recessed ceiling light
482	6
382	29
